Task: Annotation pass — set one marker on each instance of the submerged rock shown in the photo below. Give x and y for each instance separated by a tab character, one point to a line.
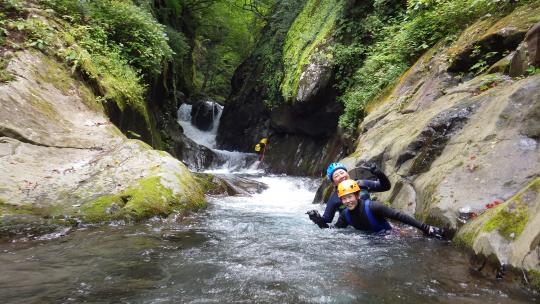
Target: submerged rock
62	158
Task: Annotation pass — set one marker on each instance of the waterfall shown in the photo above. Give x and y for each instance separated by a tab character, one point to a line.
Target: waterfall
225	161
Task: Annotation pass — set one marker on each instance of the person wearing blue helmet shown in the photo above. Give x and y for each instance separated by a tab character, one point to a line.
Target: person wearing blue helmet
336	173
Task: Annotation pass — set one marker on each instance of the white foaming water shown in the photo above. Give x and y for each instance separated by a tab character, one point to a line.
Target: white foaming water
285	195
204	138
231	162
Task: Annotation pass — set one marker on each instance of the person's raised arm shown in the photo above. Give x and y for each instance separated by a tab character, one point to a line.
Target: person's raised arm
380	185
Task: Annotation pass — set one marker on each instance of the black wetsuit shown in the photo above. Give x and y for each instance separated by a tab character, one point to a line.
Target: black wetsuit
360	219
334	204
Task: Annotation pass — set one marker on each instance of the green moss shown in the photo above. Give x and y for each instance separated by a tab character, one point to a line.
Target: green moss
534	279
207	182
192	194
149	197
507	218
5	76
521	19
306	41
59	77
508	221
41	211
43	106
465	239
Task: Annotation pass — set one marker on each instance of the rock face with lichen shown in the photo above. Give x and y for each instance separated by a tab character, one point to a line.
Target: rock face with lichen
63	161
450	137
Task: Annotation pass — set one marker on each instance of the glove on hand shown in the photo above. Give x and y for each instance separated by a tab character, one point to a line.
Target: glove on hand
435	232
316	218
371	167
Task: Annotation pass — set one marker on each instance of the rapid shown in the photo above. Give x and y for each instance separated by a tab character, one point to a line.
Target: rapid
258	248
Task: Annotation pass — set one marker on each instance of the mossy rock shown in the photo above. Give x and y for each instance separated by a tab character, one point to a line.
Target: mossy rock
488	40
149	197
307	41
212	185
508	219
534	279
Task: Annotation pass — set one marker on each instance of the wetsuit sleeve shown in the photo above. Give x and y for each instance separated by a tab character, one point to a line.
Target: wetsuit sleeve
332	206
380	185
383	211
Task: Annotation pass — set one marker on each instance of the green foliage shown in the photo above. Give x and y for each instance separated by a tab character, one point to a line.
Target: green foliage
268	53
222	44
403	38
533	70
140	38
178	43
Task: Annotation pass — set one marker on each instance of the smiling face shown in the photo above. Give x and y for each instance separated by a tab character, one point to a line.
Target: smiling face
350	200
339	175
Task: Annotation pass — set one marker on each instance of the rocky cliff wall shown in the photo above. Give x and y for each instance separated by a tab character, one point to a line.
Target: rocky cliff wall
452	139
63	162
289	94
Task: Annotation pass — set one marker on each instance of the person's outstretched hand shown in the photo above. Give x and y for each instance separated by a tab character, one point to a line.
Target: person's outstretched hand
315	217
435	232
371	167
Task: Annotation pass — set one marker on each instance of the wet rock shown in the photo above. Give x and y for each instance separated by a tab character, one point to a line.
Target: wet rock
403	196
30	226
533	45
230	185
323	192
61	153
198	156
315	119
314	79
520	62
203	114
433	138
300	155
510	233
243	186
488	41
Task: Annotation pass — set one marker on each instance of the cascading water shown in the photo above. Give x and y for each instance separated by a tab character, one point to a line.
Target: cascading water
258	248
227	161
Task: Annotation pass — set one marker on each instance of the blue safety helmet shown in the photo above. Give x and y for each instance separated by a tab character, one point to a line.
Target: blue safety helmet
332	168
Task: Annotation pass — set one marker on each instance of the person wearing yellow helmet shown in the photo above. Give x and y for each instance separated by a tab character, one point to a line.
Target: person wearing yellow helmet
336	173
372	216
260	148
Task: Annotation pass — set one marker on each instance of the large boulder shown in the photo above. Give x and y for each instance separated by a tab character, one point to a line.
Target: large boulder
63	161
509	233
451	143
204	114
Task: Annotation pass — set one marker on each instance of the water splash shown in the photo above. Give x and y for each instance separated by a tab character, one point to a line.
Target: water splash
226	162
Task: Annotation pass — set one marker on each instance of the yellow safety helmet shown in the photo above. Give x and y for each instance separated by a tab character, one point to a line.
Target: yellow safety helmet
346	187
257	147
264	141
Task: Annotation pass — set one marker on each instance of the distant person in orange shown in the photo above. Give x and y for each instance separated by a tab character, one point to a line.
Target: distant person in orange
261	148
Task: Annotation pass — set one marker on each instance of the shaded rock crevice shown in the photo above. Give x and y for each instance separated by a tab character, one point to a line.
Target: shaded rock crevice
434	137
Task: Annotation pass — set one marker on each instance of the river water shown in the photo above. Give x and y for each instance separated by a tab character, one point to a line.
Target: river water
244	249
